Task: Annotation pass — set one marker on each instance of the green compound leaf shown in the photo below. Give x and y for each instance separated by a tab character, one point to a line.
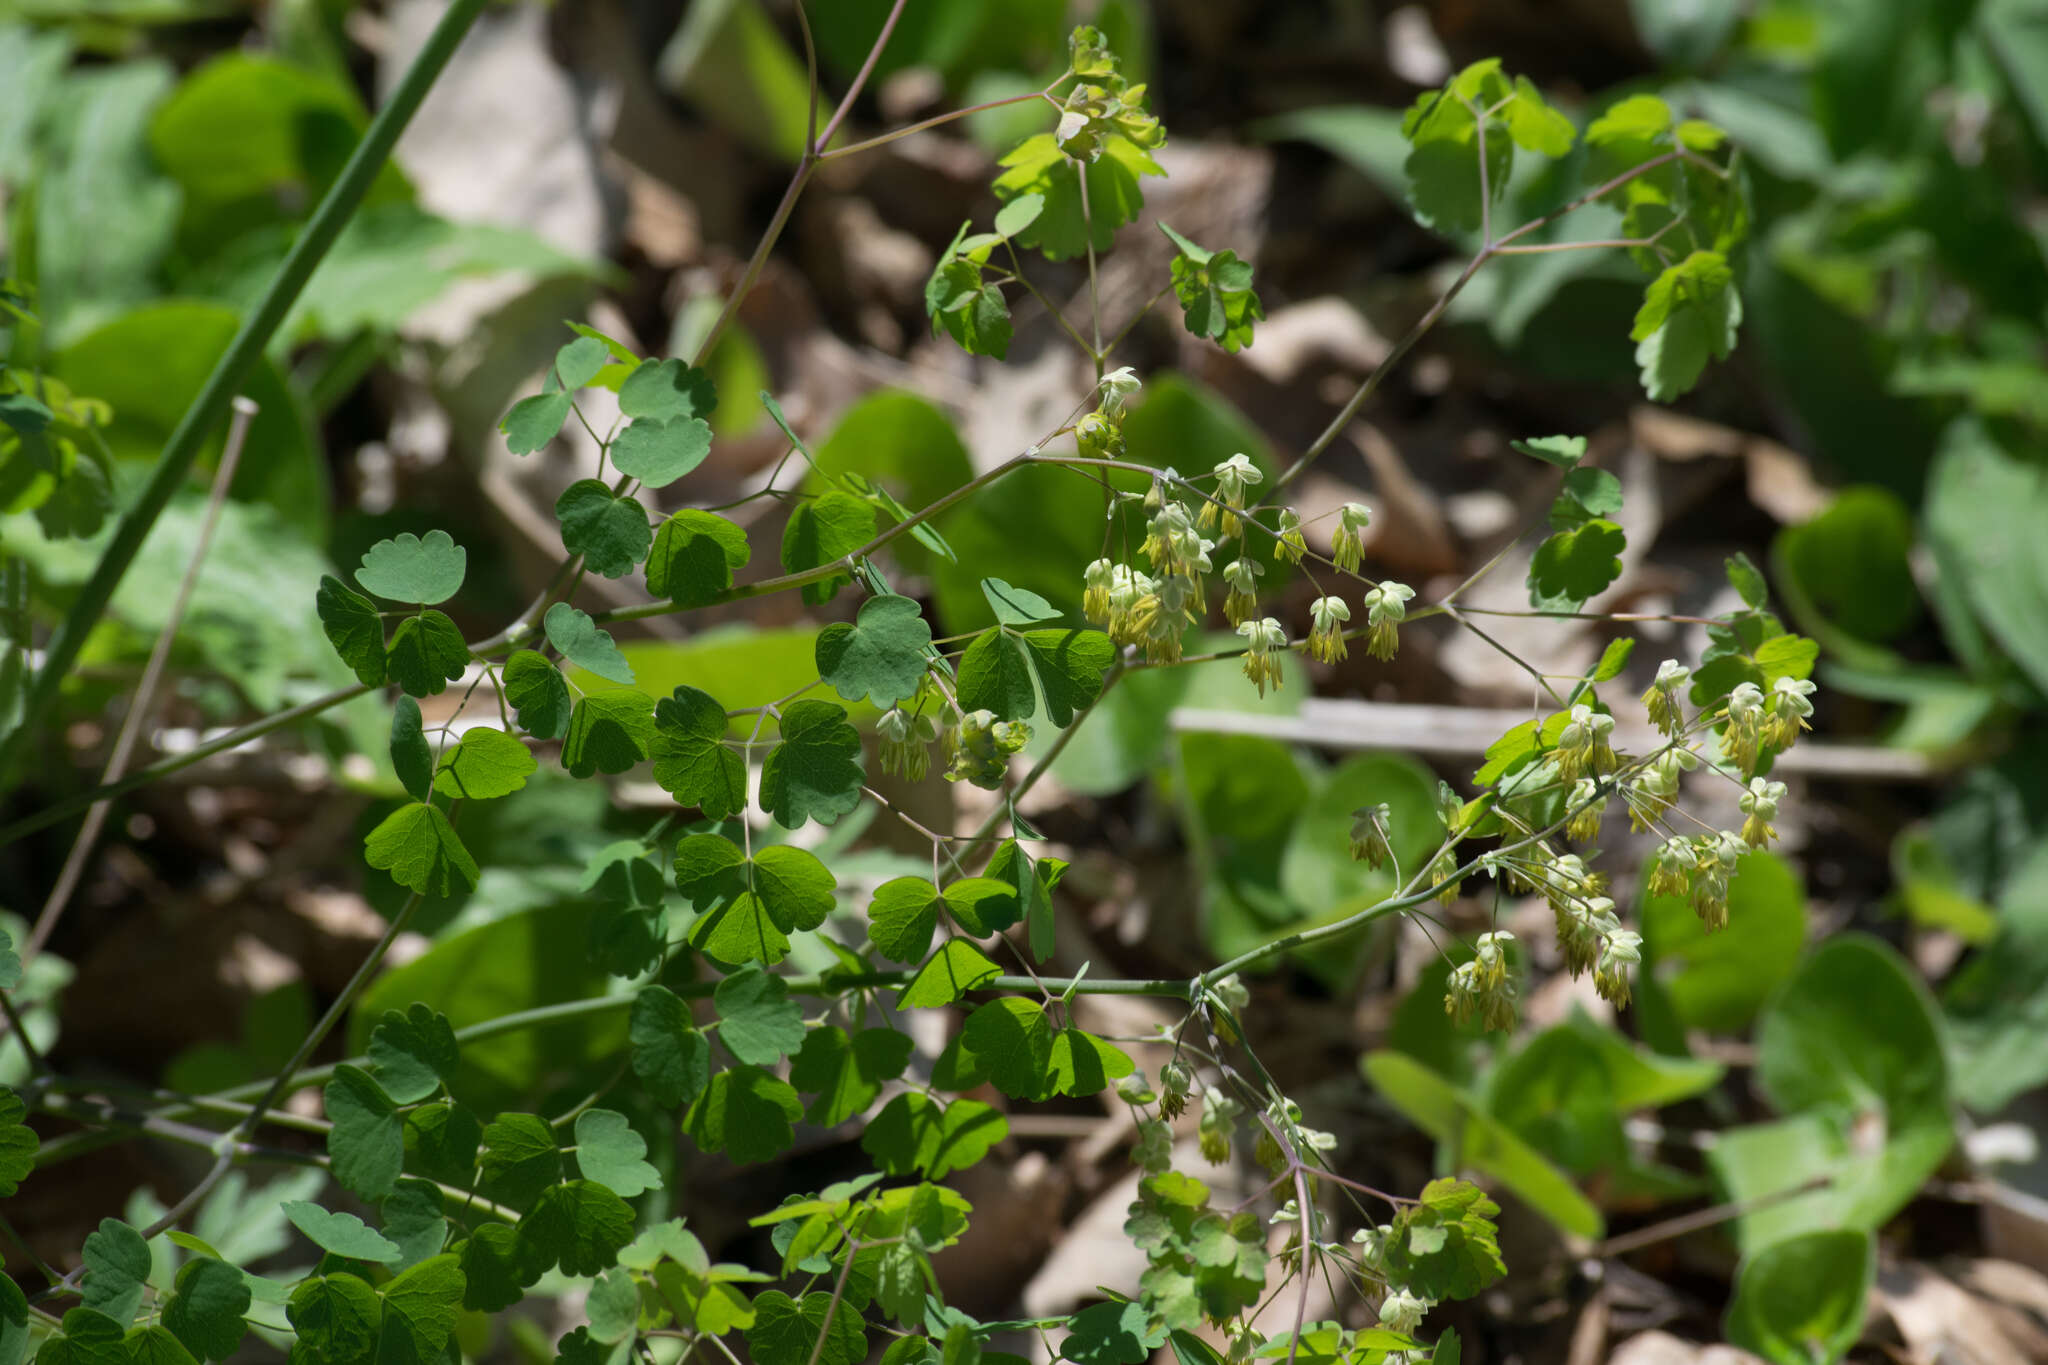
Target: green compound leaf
342	1234
608	732
414	1054
915	1135
411	757
421	851
846	1074
670	1056
611	1153
578	639
1748	581
881	655
353	627
14	1319
745	1113
17	1142
902	916
757	1021
691	760
578	362
442	1139
1020	213
659	452
1574	565
667	389
1690	315
1062	230
758	904
409	569
984	905
415	1220
1562	451
116	1270
1215	293
975	315
609	531
493	1279
367	1143
206	1308
1070	666
821	530
420	1309
520	1159
539	694
486	763
1034	880
1613	659
155	1345
90	1338
336	1316
1446	1245
995	677
1113	1334
815	772
1016	606
1010	1042
427	653
614	1306
694	556
787	1332
534	421
1082	1064
955	969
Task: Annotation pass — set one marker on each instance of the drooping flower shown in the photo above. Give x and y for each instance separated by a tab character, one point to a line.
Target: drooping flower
1386	607
1667	709
1789	708
1327	616
1622	951
1586	804
1241	578
1744	740
1370	826
1097	580
1760	803
1347	546
1291	544
1584	746
1671	870
1233	477
905	742
1265	642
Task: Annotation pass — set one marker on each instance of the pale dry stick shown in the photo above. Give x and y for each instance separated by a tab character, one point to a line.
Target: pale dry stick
244	410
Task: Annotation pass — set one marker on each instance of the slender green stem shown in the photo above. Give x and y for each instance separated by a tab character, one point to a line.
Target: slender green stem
233	370
935	121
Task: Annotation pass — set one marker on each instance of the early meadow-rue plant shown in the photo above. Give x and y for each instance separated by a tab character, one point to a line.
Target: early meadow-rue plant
1664	697
1233	478
1327	617
1759	802
1386	607
1290	542
1265	642
1347	542
1241	579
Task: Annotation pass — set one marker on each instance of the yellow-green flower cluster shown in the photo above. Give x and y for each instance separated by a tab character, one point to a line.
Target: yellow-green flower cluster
1664	700
1233	477
978	749
1585	746
1386	607
1652	791
1347	545
1370	829
1291	543
1327	617
1241	581
1482	987
1760	803
905	742
1265	644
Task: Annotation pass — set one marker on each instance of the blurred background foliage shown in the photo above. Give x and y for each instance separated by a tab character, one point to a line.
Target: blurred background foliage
1879	442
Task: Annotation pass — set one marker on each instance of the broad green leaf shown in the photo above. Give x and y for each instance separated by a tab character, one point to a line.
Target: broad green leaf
89	1337
881	655
421	851
534	421
1443	168
205	1311
892	443
353	628
609	530
902	916
1573	566
614	1306
659	452
1613	659
539	694
815	772
336	1316
670	1056
1689	316
577	363
1020	213
691	760
988	904
1112	1333
1802	1300
1449	1115
493	1277
367	1142
1847	568
486	763
1986	503
955	969
420	1308
341	1234
579	640
1585	494
846	1073
1070	666
821	530
1718	981
442	1139
1062	231
1016	606
413	1054
914	1133
117	1263
757	1021
787	1331
414	1219
994	677
611	1153
411	757
745	1113
609	732
1556	1094
1562	451
427	653
694	556
1082	1064
665	390
520	1159
1011	1042
10	963
409	569
1445	1245
18	1142
14	1322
